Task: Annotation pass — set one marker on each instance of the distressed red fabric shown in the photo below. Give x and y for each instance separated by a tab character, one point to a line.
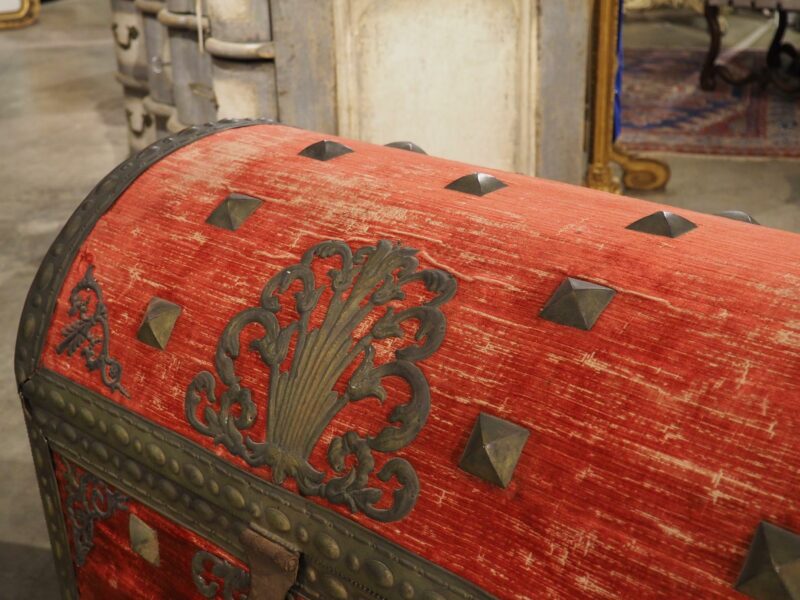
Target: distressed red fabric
659	439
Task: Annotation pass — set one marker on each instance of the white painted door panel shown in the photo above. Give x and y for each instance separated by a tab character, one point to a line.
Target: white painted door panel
454	76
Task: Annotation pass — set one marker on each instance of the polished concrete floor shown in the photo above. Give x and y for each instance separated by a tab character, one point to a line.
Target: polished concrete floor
62	128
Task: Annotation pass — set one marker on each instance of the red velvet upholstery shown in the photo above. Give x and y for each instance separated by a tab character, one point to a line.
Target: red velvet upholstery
659	438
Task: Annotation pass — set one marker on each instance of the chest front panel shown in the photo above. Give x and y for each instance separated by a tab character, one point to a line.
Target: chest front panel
124	549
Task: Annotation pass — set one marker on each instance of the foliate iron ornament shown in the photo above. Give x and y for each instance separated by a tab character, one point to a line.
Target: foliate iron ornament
493	449
158	322
90	500
233	211
325	150
663	223
235	581
577	303
476	184
90	333
301	396
772	568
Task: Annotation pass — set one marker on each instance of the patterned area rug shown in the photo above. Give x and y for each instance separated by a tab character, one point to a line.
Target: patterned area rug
664	109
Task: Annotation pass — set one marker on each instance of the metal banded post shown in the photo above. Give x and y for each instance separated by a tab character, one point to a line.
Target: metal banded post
159	101
185	21
127	29
240	50
243	58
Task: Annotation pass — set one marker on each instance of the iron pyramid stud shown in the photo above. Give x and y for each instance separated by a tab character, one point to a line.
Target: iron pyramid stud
159	320
477	184
771	569
738	215
493	449
144	540
577	303
233	211
325	150
663	223
410	146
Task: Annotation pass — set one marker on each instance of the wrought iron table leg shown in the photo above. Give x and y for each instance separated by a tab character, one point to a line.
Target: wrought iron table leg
712	70
774	53
769	74
786	80
708	75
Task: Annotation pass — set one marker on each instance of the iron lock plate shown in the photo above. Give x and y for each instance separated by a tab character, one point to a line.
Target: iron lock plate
273	567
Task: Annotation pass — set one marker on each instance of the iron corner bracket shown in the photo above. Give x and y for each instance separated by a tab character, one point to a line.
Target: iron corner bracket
51	502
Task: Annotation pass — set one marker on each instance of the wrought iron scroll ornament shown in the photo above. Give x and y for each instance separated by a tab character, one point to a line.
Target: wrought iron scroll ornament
90	500
302	400
90	331
235	581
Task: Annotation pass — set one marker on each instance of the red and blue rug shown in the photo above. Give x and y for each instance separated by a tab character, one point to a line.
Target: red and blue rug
664	109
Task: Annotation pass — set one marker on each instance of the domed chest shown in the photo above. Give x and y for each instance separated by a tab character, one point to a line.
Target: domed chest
257	361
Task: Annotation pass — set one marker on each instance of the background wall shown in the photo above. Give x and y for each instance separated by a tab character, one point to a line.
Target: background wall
499	83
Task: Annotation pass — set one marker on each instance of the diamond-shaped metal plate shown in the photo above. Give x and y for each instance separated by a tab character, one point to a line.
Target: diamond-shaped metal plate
144	540
577	303
493	449
325	150
738	215
663	223
159	320
476	184
233	210
410	146
772	567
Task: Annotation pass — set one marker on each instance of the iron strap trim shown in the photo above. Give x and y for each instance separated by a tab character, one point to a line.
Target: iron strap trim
53	512
205	493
